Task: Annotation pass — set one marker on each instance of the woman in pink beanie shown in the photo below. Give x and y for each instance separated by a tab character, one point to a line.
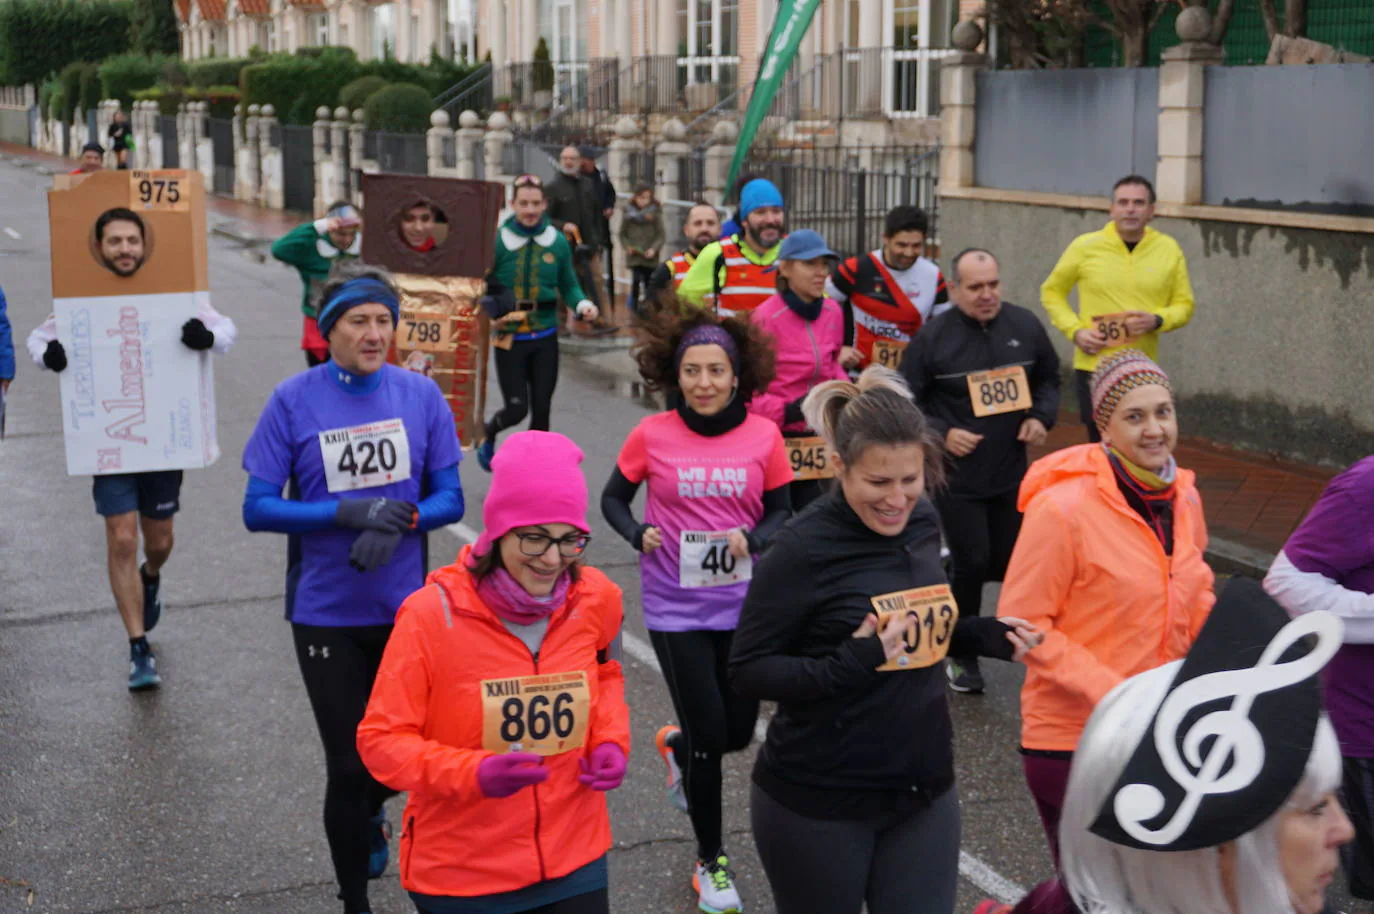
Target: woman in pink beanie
500	704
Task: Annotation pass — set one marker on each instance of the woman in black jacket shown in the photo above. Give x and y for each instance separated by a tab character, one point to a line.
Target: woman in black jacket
845	624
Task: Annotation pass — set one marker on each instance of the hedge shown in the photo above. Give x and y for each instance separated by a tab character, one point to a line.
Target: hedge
403	108
90	87
296	85
45	93
70	78
221	99
41	37
355	95
123	76
215	71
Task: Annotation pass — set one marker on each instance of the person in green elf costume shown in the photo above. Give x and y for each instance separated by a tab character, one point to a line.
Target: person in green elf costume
313	249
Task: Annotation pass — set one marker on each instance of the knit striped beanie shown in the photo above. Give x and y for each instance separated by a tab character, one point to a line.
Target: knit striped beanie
1117	375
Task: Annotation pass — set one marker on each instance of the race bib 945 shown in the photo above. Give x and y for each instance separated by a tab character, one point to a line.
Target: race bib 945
928	614
376	454
810	458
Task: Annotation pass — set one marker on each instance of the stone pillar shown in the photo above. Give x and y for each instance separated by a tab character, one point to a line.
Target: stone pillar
355	153
1182	94
438	134
466	139
669	156
494	145
665	39
324	165
620	155
205	145
496	12
718	155
249	171
338	141
958	107
271	191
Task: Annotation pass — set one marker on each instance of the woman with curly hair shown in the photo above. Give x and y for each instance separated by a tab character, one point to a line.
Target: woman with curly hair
718	478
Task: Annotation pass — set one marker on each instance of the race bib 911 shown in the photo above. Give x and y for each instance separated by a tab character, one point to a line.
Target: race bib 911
376	454
544	714
705	560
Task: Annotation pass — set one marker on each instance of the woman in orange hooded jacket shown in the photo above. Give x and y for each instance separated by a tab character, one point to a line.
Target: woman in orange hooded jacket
1109	564
500	704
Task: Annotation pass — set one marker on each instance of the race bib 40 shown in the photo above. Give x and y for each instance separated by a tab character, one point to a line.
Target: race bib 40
705	560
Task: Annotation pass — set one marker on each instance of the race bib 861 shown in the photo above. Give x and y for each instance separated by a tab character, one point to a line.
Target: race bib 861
376	454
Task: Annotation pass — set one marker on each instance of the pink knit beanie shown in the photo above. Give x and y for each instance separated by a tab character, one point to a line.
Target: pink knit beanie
536	478
1117	375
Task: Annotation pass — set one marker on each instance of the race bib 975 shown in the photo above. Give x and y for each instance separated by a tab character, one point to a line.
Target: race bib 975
376	454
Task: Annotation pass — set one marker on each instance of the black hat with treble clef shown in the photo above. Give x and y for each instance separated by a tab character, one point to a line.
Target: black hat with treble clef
1232	736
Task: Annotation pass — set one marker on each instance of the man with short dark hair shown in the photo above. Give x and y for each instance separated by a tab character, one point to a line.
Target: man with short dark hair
133	501
92	159
700	228
1132	286
889	293
987	378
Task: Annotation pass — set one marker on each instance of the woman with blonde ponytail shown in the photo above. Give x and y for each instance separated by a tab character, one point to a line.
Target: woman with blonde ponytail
845	625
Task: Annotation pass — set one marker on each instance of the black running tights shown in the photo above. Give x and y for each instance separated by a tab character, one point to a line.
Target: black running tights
980	533
527	373
339	666
713	718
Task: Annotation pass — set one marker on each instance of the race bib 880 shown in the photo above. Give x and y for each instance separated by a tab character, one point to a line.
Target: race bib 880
376	454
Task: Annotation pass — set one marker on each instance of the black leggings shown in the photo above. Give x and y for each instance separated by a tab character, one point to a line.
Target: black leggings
527	373
639	284
980	533
896	863
597	902
339	666
714	721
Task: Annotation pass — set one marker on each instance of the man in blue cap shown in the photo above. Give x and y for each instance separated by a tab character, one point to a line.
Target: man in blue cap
732	275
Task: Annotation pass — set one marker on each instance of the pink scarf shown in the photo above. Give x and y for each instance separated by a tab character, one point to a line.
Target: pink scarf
515	604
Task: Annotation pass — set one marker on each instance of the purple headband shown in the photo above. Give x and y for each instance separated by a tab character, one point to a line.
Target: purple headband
705	335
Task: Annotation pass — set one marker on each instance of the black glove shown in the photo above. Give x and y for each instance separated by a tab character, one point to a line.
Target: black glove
792	412
385	515
498	302
372	549
55	357
195	335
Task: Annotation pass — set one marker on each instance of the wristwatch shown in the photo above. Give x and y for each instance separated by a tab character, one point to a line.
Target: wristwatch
1159	321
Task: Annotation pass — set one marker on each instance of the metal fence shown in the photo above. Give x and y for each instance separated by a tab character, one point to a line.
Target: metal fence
222	144
298	167
171	149
401	153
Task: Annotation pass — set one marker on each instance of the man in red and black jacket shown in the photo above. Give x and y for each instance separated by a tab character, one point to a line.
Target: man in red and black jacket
889	293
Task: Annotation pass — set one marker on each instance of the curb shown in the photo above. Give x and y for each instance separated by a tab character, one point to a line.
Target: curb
1237	560
233	232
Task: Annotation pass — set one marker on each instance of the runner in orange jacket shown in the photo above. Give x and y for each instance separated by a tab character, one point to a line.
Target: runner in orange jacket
500	703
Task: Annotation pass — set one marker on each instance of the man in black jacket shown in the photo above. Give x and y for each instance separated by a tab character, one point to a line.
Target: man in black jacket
987	378
575	208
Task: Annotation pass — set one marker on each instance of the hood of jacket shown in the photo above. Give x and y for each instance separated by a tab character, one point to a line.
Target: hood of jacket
1082	461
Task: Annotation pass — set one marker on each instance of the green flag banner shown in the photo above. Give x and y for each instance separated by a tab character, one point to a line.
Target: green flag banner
792	20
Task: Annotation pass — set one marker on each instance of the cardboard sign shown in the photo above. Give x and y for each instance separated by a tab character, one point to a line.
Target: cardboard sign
545	715
468	211
459	370
810	458
888	353
928	614
705	560
134	398
1113	328
1002	390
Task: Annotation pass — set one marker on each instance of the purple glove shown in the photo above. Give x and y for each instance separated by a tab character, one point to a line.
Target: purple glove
502	775
604	769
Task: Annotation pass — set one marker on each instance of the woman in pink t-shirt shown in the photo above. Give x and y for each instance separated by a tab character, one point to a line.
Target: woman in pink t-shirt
718	479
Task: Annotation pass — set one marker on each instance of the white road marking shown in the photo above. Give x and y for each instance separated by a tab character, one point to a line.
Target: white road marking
970	867
12	233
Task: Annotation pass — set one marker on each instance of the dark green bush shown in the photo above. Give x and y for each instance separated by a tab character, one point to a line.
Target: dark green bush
70	78
403	108
221	99
542	67
57	102
45	92
125	74
215	71
297	85
167	98
355	95
90	86
153	28
41	37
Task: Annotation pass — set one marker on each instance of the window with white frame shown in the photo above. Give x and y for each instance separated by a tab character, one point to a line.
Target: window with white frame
711	32
917	32
383	30
318	29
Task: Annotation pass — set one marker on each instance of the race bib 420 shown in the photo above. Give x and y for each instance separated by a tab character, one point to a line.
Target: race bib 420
376	454
928	614
545	714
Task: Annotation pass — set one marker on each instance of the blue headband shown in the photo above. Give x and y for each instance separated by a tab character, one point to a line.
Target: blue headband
706	335
364	290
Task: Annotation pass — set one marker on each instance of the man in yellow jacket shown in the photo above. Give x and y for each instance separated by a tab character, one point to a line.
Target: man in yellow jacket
1132	286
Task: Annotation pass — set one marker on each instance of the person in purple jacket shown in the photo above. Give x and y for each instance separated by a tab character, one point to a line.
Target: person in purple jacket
1328	564
368	456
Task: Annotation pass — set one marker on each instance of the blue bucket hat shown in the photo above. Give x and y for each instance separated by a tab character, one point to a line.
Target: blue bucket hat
805	244
758	193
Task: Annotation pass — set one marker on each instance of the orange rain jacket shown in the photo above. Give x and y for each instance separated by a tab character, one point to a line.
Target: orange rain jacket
1090	574
422	733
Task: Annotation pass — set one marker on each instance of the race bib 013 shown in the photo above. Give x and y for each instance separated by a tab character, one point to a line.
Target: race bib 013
376	454
1002	390
810	458
888	353
545	714
705	560
928	614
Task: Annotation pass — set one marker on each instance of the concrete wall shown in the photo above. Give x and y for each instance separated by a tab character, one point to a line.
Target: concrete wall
1277	357
14	125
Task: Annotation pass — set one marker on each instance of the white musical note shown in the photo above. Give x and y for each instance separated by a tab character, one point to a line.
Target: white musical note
1235	735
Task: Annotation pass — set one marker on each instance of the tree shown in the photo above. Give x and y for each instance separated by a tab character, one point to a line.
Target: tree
542	67
153	27
1294	18
1043	34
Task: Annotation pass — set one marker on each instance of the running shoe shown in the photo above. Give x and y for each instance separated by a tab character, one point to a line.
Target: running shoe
677	795
964	676
991	906
485	451
142	668
379	848
152	604
715	887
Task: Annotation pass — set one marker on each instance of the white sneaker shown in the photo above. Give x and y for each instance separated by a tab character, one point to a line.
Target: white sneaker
716	892
677	795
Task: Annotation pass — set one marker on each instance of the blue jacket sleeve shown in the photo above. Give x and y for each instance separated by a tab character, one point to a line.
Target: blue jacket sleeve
264	510
6	342
444	504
